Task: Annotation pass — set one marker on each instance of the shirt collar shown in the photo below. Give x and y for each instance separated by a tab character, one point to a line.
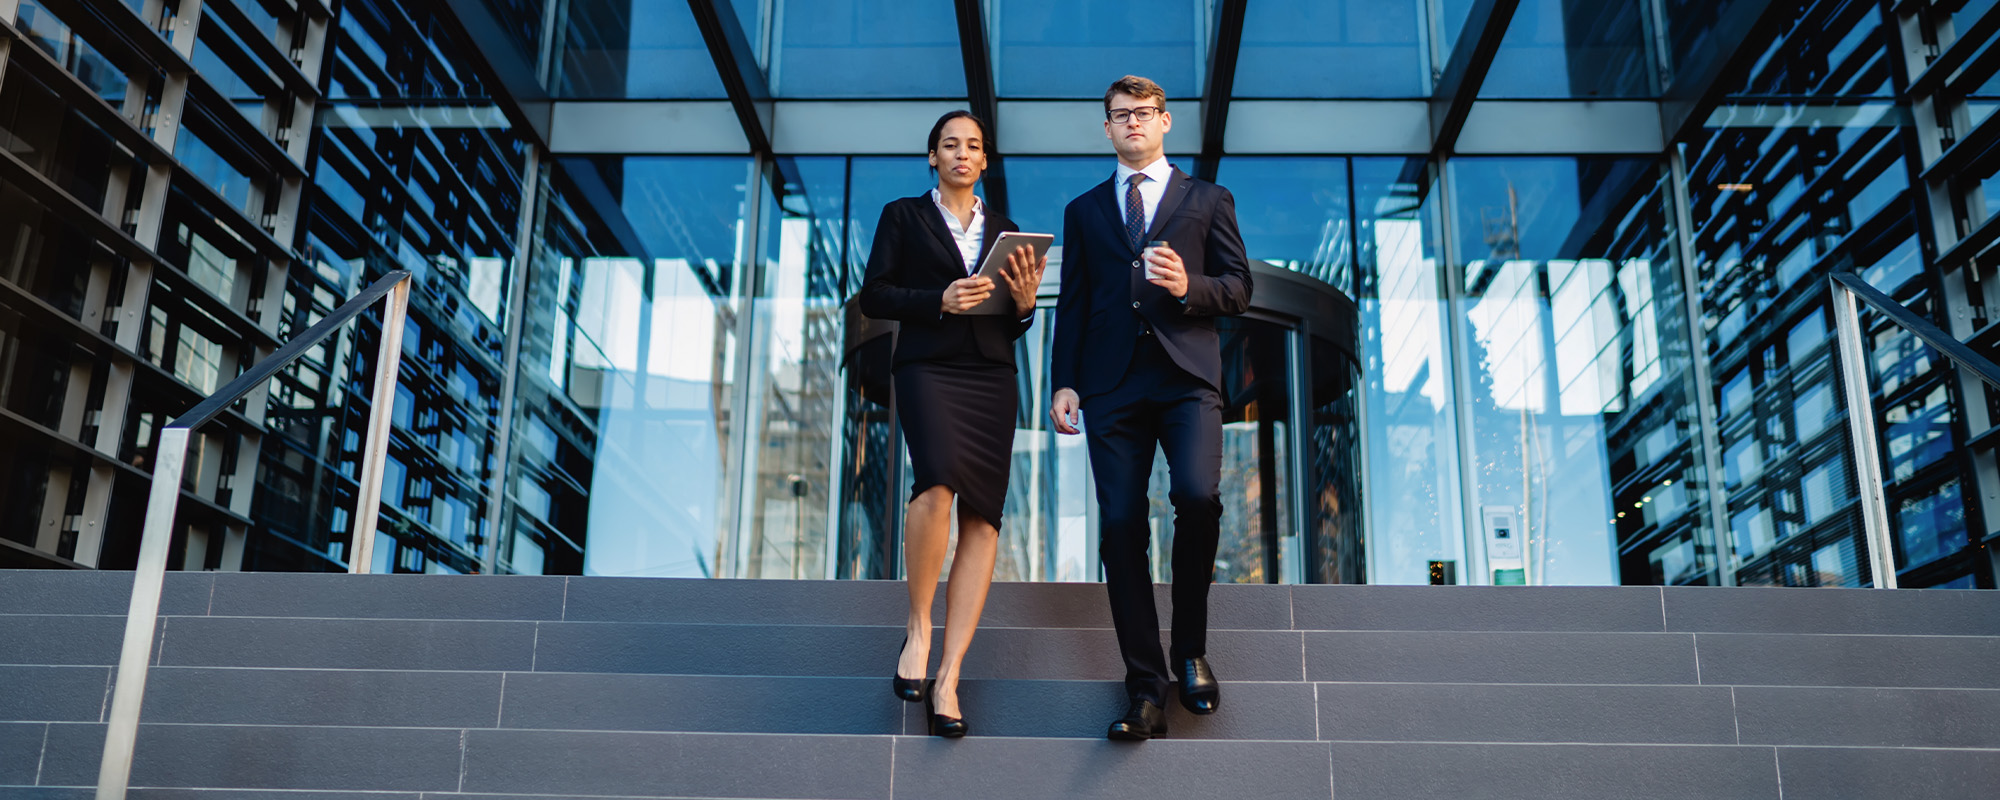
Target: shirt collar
978	205
1160	170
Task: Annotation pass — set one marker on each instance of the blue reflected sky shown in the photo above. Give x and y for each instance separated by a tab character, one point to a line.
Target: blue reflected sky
1294	213
1076	48
682	207
1566	49
869	48
1332	48
641	49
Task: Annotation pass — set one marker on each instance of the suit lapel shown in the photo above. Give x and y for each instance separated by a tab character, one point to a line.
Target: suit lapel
1177	191
1107	205
934	220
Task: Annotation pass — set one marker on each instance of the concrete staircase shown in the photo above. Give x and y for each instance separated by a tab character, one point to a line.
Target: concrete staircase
330	687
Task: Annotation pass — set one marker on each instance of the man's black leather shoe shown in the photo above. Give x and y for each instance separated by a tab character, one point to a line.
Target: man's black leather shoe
1199	691
1144	720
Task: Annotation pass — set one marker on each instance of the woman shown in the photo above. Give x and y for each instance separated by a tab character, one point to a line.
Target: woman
955	395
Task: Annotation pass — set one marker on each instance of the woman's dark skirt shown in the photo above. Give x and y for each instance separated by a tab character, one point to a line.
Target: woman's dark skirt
958	420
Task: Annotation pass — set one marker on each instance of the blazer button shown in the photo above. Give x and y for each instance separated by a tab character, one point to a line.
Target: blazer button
1135	265
1135	304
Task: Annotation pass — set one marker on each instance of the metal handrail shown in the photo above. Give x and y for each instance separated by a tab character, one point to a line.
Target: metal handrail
143	615
1861	410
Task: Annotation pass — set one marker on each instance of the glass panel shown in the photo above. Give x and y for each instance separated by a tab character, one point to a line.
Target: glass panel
1826	48
1555	48
869	48
383	52
1413	508
1693	32
1577	343
224	61
49	33
1294	213
222	176
634	347
53	138
1931	526
1342	48
794	387
1076	48
612	49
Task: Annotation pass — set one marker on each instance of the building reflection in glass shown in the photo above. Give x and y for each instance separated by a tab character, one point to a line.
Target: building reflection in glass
1583	441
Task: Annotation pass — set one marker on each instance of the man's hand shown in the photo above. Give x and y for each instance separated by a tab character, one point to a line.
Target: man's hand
965	293
1023	275
1167	272
1063	408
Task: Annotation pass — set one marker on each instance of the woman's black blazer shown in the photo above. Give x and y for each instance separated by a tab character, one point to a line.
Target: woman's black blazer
913	260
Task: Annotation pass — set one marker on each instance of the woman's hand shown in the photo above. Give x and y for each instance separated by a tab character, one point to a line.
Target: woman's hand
965	293
1023	274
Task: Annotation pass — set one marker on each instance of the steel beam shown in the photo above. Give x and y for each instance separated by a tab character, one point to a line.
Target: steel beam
1220	85
736	61
1451	102
981	95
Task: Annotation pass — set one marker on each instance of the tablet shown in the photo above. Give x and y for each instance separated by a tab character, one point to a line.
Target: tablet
1000	302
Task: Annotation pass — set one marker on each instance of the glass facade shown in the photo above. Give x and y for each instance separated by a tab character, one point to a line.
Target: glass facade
1510	355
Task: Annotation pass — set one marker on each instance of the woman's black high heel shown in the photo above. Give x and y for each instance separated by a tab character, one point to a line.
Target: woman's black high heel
910	689
940	725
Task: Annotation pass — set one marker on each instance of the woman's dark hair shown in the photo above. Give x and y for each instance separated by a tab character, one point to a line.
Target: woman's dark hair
937	131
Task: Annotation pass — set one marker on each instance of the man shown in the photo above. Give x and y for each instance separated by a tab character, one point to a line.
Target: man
1136	350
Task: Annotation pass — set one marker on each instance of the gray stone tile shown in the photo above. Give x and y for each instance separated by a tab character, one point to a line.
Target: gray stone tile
1231	606
1477	608
1839	774
885	603
1483	713
96	592
698	600
348	644
361	698
1083	709
21	752
1949	612
858	651
265	757
289	594
1475	657
1869	717
1553	772
60	641
1943	662
802	650
677	764
988	767
53	694
56	793
701	703
264	794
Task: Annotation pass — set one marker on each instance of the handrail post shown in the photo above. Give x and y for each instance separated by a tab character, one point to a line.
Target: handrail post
1861	431
381	414
142	617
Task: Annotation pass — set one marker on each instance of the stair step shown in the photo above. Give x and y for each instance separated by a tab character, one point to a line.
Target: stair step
331	687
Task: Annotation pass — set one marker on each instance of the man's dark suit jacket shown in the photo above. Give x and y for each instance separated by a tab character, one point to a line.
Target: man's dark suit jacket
1106	300
913	260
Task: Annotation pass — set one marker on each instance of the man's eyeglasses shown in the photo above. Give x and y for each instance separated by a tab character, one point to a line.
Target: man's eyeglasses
1120	116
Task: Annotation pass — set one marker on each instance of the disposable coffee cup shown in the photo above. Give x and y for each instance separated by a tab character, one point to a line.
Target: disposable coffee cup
1153	273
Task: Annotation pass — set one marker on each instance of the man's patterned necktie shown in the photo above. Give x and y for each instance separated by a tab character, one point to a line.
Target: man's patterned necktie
1135	210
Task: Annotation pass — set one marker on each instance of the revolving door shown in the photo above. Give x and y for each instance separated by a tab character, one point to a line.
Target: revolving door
1291	478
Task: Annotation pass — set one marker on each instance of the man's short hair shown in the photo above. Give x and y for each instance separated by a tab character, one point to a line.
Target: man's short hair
1135	86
